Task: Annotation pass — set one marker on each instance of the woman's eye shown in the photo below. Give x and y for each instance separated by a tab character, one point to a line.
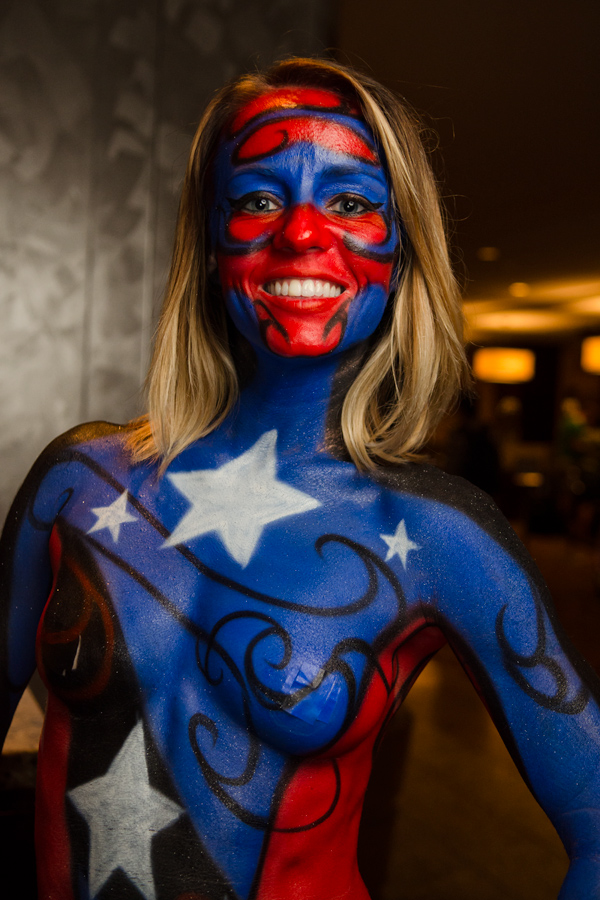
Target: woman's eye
350	206
258	204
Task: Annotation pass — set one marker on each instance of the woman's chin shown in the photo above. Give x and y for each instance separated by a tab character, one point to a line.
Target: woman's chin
310	344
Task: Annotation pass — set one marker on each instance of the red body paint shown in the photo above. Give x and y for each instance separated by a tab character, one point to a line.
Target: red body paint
51	834
331	845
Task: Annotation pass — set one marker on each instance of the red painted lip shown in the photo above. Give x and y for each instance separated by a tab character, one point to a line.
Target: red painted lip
301	304
308	304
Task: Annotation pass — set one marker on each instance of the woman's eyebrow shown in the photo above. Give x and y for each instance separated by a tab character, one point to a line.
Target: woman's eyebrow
261	171
358	171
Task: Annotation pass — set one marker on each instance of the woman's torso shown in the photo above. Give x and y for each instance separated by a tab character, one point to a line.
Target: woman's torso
222	647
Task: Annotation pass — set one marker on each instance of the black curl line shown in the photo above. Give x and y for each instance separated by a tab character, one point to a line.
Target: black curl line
41	524
514	661
340	317
366	555
213	778
271	698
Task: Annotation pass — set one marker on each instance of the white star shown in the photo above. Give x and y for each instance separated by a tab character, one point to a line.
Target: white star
124	813
399	543
112	516
237	500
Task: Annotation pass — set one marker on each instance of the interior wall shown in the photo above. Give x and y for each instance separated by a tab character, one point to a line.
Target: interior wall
98	102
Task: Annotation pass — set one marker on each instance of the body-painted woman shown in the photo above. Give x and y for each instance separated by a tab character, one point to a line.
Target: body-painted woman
231	600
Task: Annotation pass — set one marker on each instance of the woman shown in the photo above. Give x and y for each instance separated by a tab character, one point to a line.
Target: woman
244	585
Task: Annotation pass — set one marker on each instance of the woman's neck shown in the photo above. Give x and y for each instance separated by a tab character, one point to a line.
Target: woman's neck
296	396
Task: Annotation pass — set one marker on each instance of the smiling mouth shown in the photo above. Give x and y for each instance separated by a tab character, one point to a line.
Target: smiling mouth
308	288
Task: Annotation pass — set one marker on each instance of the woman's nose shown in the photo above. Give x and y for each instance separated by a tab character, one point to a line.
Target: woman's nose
302	229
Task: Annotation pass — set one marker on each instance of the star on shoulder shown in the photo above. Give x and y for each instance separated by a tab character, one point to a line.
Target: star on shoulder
399	543
112	516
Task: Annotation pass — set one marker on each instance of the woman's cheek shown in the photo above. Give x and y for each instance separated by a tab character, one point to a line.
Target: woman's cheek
369	229
369	272
245	229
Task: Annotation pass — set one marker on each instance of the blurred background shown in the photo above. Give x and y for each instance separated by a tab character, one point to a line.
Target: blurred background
98	103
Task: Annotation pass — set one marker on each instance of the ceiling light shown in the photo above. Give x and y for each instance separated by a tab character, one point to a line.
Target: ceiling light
590	355
504	365
519	289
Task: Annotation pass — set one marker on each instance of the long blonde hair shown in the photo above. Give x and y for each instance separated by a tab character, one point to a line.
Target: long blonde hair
415	370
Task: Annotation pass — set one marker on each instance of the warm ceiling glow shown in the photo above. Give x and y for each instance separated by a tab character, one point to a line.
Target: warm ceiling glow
504	365
519	289
564	289
520	320
590	355
589	306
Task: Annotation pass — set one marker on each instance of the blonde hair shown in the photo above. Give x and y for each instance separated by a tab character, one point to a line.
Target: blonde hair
417	367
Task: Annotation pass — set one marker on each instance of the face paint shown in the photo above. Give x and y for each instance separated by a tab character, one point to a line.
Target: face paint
302	224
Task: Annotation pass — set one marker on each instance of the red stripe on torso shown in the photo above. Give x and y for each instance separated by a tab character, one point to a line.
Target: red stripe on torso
320	863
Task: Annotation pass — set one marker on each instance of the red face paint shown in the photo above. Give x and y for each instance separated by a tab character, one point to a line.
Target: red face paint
276	136
291	98
306	238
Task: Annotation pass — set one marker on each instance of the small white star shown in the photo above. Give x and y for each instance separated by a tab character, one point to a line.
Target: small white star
238	500
124	813
399	543
112	516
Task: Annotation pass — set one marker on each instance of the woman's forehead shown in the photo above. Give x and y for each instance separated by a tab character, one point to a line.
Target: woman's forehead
279	120
290	98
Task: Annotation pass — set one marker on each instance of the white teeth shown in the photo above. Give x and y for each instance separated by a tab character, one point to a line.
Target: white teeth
309	287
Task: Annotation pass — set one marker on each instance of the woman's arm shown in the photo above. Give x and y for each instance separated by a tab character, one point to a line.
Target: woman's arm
491	603
25	559
25	581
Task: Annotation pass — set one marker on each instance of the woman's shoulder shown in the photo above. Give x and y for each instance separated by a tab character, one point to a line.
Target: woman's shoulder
94	439
65	469
451	505
88	433
431	484
90	445
458	525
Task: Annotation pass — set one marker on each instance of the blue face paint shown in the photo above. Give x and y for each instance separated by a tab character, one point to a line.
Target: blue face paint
304	231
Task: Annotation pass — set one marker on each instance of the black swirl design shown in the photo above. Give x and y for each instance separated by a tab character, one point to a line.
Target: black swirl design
213	658
209	649
515	662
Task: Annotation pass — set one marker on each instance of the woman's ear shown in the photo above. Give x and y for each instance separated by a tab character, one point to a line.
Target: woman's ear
212	264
